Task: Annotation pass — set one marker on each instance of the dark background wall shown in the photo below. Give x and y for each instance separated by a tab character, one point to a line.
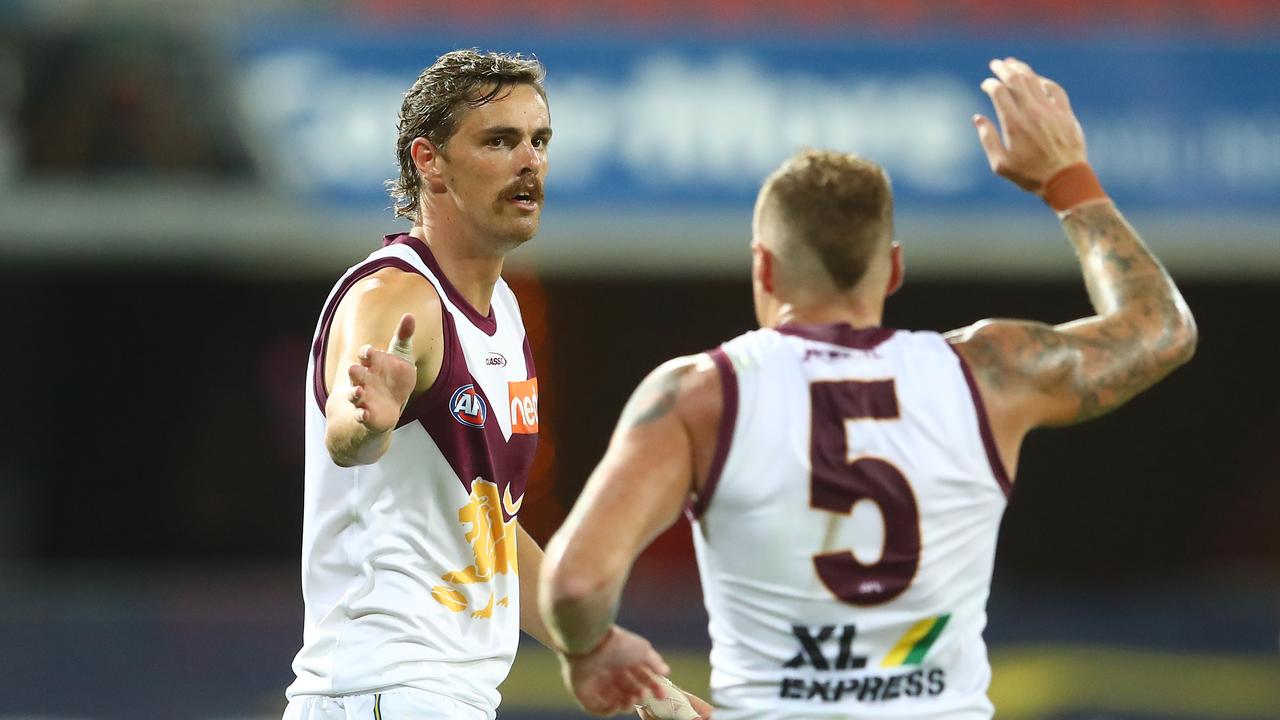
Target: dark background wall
156	413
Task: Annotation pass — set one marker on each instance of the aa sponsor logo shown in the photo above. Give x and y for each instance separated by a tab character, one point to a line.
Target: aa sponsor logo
494	359
467	407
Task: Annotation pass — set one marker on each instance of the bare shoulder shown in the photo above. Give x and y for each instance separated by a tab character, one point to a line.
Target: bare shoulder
687	387
701	393
1023	373
1013	354
678	408
372	308
393	287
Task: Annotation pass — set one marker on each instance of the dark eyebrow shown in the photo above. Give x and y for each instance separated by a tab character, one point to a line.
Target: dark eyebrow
506	131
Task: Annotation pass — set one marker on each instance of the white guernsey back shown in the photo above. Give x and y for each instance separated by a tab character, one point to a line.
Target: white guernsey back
847	531
409	564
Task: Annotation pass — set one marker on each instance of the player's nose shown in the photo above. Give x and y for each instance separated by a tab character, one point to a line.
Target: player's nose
531	157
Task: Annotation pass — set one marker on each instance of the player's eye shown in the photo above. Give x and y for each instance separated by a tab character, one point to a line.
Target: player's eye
496	142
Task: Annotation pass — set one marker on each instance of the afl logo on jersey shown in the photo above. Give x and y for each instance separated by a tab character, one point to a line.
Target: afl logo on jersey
468	407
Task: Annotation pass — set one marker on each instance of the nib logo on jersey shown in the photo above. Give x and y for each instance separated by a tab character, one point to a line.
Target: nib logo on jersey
829	650
468	407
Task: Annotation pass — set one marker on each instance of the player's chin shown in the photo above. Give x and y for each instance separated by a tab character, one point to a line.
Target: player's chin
523	229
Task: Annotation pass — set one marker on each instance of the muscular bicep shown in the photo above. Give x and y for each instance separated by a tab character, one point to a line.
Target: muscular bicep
650	469
643	481
369	314
1032	374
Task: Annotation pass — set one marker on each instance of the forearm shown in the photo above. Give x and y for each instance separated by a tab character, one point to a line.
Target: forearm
529	556
1119	271
349	442
1143	329
578	610
583	575
1127	285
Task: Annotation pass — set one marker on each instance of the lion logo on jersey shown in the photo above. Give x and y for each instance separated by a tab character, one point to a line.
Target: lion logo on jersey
493	542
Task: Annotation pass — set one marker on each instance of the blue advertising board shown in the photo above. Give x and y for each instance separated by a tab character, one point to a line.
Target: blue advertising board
692	123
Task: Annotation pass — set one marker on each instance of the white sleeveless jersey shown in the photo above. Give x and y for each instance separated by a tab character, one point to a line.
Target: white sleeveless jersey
847	531
409	564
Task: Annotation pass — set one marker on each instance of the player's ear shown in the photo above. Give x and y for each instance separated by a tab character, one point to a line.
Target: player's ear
762	267
898	270
427	157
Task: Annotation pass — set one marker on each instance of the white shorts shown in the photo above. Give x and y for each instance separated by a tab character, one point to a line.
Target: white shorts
398	704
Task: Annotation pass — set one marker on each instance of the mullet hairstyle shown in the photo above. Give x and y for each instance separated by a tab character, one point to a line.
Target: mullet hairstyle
457	81
839	206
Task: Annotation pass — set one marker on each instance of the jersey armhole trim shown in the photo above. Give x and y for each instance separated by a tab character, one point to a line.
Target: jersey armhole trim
417	407
530	371
320	349
724	433
984	425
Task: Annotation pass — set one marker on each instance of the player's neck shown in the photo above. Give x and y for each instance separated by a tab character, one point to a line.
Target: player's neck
472	271
858	315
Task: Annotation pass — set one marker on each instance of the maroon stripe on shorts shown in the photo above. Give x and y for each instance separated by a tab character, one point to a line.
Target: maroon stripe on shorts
984	426
724	433
488	325
320	347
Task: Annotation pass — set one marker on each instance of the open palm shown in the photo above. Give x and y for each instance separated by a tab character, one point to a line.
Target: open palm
381	382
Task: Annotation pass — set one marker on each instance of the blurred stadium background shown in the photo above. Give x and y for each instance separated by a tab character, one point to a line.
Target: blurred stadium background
181	182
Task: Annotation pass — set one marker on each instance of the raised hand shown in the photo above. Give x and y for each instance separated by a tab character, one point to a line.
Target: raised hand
620	673
1040	132
382	382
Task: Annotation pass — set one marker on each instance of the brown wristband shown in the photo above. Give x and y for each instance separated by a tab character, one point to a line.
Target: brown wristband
599	644
1072	186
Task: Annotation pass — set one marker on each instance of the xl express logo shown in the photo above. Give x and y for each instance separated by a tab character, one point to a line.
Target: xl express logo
825	683
467	407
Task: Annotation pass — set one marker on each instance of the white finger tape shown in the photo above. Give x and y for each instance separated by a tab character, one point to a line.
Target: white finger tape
402	349
675	706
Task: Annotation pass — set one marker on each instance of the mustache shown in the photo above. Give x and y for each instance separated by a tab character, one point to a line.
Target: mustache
531	186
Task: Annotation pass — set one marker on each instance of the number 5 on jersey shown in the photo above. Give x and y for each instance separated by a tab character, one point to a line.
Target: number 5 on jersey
838	482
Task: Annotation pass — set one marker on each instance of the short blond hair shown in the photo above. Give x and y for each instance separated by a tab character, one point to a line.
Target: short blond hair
839	206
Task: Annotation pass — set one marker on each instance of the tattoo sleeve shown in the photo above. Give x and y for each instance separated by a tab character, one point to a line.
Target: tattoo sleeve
1141	332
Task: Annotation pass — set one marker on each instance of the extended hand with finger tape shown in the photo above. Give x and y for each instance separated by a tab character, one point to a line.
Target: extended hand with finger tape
383	381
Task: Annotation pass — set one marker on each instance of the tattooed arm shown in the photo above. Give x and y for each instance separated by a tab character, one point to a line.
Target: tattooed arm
658	457
1031	374
659	453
